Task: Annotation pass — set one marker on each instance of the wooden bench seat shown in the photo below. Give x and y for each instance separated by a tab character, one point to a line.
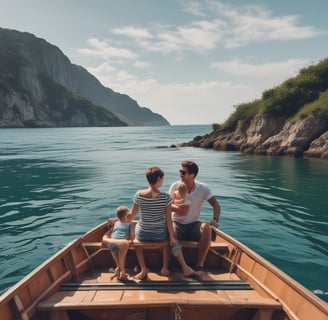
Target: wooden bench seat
212	301
79	299
221	246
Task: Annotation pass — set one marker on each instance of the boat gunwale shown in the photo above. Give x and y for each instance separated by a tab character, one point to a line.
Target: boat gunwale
281	275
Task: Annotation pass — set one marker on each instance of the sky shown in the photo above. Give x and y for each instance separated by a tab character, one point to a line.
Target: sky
191	61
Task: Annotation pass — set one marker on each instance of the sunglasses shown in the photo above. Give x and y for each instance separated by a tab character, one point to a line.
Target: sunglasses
182	172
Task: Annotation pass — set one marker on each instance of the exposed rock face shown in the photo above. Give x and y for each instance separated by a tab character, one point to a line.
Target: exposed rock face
40	87
272	136
18	111
23	112
260	129
318	147
295	138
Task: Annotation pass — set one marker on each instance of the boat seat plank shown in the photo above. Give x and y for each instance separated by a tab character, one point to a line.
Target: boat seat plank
154	245
95	299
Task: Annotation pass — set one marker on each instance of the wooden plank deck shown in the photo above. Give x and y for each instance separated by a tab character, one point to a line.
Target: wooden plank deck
90	295
99	295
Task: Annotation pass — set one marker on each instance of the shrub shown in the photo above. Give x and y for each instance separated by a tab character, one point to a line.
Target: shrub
242	115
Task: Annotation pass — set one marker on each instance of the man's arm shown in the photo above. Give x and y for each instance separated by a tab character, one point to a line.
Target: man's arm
216	211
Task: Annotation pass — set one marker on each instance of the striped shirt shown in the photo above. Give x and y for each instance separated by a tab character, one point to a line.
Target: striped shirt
152	222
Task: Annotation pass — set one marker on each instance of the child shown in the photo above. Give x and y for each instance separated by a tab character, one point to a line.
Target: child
118	243
180	194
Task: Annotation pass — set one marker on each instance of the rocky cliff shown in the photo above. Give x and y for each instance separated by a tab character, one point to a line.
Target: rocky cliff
39	86
267	135
288	120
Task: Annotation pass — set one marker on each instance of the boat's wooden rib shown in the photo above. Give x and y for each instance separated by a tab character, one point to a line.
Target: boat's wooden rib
237	284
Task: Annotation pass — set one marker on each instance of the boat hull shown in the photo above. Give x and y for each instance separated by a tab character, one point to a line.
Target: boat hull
238	284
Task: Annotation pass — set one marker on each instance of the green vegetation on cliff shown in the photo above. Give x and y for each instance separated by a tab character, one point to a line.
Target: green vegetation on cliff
296	98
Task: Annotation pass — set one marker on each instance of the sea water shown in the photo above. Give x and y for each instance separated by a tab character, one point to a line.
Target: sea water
56	184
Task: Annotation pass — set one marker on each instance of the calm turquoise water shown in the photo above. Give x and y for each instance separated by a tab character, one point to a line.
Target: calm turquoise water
55	184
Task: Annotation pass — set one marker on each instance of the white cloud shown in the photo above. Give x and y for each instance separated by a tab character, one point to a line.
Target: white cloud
141	64
201	35
198	103
201	100
103	68
226	25
195	8
104	50
180	103
239	67
167	42
250	23
198	36
133	32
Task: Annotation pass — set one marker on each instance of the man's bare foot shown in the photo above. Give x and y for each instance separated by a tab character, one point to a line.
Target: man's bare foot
165	272
141	275
200	271
189	272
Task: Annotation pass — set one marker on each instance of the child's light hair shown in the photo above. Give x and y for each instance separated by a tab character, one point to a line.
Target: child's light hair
122	211
182	187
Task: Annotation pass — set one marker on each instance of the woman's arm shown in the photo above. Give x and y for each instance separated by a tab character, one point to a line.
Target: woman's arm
132	232
134	211
169	225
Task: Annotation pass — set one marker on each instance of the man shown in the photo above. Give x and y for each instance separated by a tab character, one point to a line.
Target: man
186	217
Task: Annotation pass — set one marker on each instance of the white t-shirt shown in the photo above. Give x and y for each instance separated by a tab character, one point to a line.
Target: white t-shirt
195	200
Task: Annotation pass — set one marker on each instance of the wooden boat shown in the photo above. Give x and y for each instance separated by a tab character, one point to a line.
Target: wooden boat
237	284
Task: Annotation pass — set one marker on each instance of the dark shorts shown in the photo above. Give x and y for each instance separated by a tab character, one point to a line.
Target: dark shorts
189	231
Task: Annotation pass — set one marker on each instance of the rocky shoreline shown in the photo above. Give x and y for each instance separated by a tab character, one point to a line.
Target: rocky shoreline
267	135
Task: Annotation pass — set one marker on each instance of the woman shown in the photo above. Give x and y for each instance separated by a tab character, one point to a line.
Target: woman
155	222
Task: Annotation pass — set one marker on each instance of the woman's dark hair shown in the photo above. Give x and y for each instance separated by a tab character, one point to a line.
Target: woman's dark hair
153	173
191	166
